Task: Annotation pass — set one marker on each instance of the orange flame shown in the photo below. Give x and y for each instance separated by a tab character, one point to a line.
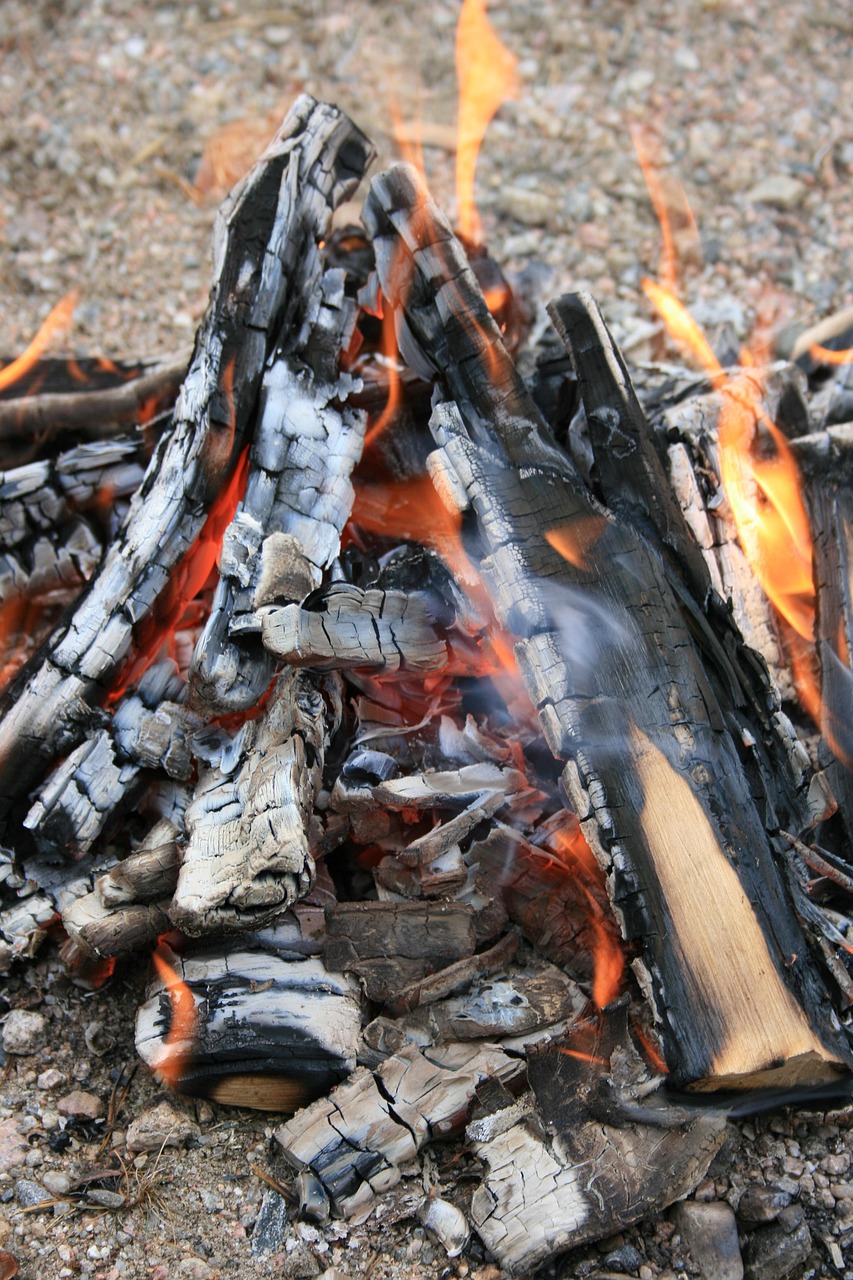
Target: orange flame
667	202
573	850
388	347
58	320
486	72
177	1047
764	494
575	541
825	355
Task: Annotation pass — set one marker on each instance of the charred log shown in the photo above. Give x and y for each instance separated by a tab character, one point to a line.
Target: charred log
653	767
268	223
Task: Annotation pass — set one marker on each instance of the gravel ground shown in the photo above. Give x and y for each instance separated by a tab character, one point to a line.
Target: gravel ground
106	109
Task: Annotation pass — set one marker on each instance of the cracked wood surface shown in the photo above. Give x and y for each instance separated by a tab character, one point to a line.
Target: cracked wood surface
248	854
314	161
561	1170
608	654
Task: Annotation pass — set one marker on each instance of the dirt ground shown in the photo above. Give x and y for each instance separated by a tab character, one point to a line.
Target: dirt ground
107	108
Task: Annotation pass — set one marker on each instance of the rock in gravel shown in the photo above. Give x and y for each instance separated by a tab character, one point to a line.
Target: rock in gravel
81	1105
625	1259
57	1182
709	1230
31	1193
270	1225
13	1146
760	1204
447	1223
160	1126
779	190
779	1250
50	1079
24	1031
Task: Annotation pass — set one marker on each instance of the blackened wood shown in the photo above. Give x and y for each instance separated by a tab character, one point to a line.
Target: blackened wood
42	496
455	977
389	945
98	930
149	730
653	768
314	161
146	875
627	470
831	511
87	412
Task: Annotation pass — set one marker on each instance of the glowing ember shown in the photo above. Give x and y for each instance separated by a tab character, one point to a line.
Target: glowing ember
58	320
486	72
177	1047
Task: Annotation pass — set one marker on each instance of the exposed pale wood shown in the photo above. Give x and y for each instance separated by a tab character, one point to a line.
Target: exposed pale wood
609	653
266	227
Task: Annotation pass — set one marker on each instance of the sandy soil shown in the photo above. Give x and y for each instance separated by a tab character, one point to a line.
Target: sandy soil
106	110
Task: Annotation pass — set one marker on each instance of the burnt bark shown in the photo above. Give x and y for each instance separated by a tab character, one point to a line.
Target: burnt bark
271	221
654	764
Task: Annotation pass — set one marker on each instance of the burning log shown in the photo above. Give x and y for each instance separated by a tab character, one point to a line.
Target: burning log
298	495
88	412
655	765
270	222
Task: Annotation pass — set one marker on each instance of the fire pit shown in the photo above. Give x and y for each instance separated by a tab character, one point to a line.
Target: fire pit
469	550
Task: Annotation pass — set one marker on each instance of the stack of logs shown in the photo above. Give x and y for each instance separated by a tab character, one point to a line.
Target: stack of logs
347	697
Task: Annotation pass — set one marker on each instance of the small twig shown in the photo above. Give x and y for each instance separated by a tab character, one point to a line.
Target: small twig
814	860
272	1182
84	411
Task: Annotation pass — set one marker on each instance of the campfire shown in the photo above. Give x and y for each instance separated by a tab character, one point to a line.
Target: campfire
415	698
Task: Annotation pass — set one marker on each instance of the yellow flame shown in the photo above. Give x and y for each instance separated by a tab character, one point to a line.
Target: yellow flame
764	493
486	74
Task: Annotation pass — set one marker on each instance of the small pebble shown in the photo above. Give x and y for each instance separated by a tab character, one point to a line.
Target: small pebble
50	1079
31	1193
81	1105
160	1126
24	1031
